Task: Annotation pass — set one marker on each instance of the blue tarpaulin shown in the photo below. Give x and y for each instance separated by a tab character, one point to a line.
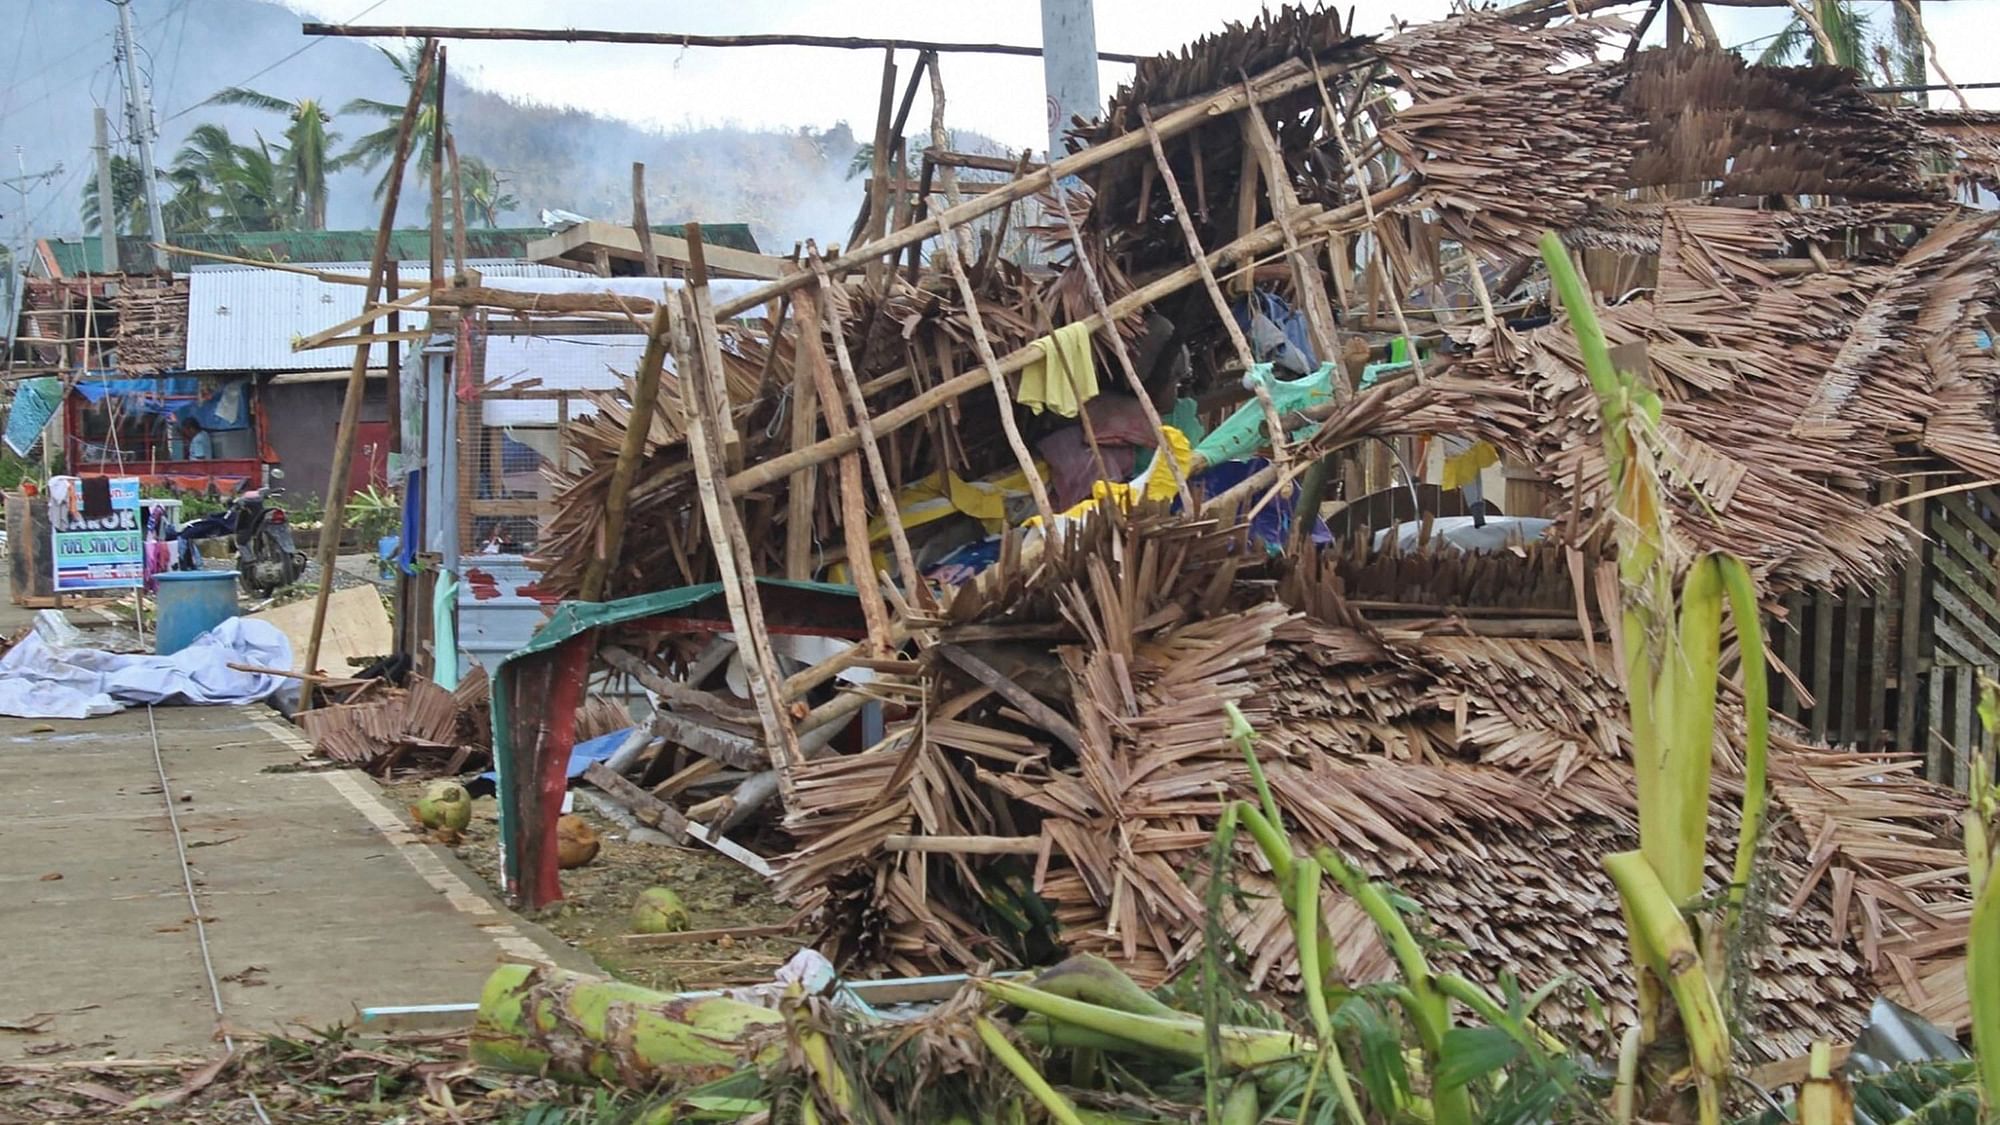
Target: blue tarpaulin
583	753
177	396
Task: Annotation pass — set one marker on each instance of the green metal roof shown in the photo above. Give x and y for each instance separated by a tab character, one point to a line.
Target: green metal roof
74	256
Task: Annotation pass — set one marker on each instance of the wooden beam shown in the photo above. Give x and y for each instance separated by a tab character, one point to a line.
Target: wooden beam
357	375
672	39
648	261
801	497
620	242
555	304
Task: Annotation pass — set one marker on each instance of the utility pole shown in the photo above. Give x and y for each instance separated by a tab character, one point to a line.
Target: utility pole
107	199
1069	66
139	117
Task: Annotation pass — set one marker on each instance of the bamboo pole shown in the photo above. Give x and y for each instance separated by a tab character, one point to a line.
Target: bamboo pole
853	507
645	396
357	375
1279	80
1316	222
706	397
672	39
998	380
885	493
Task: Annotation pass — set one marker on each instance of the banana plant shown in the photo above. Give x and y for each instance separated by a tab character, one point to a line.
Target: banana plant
1982	938
1672	655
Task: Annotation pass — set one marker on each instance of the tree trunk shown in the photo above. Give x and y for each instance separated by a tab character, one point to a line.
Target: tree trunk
535	1020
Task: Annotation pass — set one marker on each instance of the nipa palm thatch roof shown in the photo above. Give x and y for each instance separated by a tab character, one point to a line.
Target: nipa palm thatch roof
1483	774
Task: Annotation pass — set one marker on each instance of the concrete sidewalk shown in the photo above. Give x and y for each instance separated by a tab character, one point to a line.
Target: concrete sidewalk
317	900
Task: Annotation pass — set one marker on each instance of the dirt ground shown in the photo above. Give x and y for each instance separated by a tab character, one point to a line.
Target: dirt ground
595	913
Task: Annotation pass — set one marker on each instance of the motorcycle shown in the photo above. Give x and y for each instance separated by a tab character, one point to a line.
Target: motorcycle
267	560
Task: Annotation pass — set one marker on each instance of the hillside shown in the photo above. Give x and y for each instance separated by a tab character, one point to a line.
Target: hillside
788	185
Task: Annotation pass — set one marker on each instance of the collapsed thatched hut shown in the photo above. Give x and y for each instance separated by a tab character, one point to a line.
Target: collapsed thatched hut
1773	246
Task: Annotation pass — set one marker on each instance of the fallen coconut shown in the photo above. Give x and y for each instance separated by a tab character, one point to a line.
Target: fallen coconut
445	805
658	911
576	842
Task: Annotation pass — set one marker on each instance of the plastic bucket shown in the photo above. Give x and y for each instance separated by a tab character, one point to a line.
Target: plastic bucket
191	603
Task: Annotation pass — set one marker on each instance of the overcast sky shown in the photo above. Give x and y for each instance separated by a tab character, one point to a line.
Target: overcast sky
1000	96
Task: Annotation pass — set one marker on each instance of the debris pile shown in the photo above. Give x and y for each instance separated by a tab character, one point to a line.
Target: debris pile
1067	513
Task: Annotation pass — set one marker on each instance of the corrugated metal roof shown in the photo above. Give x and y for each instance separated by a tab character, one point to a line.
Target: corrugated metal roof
74	256
242	318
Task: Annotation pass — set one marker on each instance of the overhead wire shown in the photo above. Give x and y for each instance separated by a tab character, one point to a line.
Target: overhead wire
310	44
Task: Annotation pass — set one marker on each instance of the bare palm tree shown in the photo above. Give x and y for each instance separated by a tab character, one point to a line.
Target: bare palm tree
373	149
309	155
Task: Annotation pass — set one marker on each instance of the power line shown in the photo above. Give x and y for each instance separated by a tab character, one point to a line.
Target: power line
310	44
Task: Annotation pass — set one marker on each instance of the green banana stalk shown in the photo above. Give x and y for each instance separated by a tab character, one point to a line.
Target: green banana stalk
1243	1048
566	1025
1058	1107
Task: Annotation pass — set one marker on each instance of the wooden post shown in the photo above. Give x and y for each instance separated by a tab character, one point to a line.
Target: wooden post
649	264
800	496
1279	80
437	181
816	386
878	194
357	375
706	398
457	206
645	396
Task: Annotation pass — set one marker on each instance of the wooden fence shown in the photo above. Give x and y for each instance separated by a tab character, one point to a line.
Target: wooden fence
1869	672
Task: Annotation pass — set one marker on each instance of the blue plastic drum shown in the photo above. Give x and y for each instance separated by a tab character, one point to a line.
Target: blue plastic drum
191	603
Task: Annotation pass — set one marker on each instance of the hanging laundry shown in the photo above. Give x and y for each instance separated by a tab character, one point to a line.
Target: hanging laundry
1066	374
1279	334
96	498
1242	433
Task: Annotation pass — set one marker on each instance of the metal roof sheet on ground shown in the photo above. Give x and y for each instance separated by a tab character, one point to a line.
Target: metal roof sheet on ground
244	318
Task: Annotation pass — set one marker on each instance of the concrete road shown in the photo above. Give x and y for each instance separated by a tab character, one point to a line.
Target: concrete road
316	900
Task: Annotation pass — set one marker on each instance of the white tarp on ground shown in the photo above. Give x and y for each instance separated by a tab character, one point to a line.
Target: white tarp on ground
40	680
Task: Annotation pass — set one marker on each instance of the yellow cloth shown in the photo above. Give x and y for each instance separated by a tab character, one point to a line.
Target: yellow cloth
1156	482
1462	467
1066	375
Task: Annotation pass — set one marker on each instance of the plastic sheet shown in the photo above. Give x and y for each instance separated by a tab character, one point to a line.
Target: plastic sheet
40	680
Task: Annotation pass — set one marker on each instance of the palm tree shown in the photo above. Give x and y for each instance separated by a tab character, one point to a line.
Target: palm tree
486	196
219	183
127	196
372	149
309	155
1845	28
